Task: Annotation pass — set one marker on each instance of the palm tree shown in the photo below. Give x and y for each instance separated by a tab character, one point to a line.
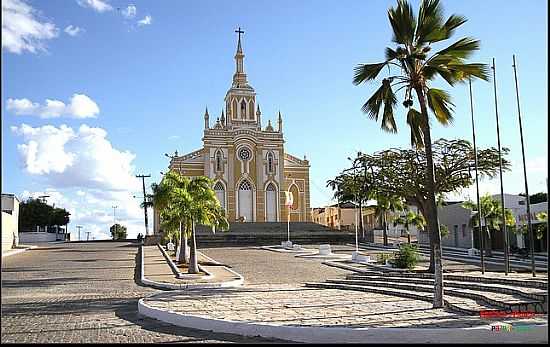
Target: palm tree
385	204
414	37
492	218
204	208
168	198
410	218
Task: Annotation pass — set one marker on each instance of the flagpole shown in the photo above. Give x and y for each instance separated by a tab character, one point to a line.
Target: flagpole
504	231
531	238
477	184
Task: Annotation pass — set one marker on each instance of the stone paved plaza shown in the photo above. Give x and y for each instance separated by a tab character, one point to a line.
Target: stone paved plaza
84	292
299	306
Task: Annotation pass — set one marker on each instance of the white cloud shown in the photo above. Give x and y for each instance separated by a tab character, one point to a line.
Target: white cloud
145	21
130	11
85	175
72	30
79	159
97	5
21	30
92	209
80	106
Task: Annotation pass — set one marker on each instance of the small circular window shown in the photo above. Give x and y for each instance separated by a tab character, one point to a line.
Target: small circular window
245	154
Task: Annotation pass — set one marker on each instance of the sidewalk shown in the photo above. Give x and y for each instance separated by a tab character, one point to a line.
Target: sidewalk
17	250
157	273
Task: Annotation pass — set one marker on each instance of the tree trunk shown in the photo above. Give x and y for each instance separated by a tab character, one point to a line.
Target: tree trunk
361	221
193	261
385	226
183	256
408	237
431	210
488	244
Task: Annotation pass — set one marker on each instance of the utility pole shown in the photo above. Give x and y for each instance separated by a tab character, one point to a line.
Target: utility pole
144	201
504	229
481	245
114	214
88	235
79	227
529	224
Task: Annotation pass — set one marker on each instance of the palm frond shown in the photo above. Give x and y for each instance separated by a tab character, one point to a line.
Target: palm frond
480	71
430	20
414	120
439	101
403	22
461	49
366	72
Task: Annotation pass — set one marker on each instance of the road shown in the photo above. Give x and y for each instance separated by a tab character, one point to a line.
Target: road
84	293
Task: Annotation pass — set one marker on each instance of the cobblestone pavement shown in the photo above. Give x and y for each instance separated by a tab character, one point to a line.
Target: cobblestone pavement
263	266
292	306
84	292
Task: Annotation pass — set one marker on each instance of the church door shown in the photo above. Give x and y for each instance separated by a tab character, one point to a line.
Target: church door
245	201
271	203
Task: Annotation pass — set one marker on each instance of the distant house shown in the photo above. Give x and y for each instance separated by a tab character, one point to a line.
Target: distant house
457	220
10	218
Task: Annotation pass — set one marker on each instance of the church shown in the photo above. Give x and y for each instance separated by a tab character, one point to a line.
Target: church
247	162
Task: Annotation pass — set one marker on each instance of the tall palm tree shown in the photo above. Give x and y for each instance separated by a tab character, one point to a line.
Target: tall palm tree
491	216
385	204
416	69
169	199
204	208
410	218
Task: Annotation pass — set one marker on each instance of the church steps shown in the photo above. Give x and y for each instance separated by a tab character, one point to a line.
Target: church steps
529	283
529	293
460	305
501	300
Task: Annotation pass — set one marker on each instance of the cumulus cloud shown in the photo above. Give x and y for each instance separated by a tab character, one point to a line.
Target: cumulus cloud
22	30
84	174
97	5
92	209
145	21
80	106
130	11
82	158
72	30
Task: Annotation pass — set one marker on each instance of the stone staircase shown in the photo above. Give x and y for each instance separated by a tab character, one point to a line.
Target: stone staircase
463	294
272	233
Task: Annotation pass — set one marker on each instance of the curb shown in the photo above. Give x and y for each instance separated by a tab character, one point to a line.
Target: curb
17	251
172	286
536	333
180	274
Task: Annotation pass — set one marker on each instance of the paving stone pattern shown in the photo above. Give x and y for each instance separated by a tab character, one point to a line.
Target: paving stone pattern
292	306
84	292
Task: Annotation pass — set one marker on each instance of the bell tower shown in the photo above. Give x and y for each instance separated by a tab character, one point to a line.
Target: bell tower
240	100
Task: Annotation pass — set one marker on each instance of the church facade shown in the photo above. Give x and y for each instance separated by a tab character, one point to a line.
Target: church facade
247	162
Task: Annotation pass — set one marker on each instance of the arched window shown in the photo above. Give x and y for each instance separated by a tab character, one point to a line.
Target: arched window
219	161
270	168
251	110
243	109
219	189
245	185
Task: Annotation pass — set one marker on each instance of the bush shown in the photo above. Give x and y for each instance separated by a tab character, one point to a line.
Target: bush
382	257
407	257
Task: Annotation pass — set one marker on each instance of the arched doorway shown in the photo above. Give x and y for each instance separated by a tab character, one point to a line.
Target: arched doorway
245	201
220	193
271	203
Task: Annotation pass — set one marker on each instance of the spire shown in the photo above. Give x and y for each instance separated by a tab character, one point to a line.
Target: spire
280	122
206	119
269	127
239	78
222	118
258	116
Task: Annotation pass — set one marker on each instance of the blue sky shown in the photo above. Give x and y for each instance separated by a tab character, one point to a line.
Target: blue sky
151	83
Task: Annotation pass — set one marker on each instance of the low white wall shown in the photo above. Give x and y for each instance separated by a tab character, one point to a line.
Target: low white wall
9	231
33	237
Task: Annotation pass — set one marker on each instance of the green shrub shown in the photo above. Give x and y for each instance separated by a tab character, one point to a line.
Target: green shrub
382	257
407	257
